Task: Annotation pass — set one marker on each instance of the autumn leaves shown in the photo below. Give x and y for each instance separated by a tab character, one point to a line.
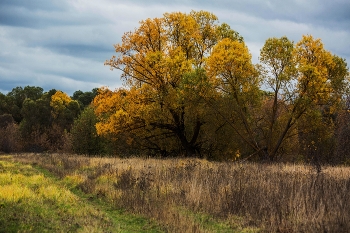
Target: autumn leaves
190	80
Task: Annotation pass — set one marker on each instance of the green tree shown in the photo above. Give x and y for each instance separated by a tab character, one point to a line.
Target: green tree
84	98
4	104
36	123
47	120
84	135
36	113
17	96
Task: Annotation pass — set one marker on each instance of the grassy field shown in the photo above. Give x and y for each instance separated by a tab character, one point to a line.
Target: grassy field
31	200
172	195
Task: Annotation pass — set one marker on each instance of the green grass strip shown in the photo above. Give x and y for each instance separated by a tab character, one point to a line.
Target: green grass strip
35	201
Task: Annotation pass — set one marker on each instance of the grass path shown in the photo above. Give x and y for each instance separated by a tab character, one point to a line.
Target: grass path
32	200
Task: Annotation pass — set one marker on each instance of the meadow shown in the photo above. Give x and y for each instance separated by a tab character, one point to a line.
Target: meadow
171	195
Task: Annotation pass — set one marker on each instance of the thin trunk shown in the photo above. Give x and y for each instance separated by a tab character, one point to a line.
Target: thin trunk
273	119
245	121
272	154
289	124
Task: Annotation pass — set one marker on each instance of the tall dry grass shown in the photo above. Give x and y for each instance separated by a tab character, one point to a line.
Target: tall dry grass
177	192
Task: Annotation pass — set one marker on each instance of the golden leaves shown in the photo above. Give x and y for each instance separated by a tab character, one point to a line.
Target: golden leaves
277	60
313	64
161	50
59	101
230	65
176	65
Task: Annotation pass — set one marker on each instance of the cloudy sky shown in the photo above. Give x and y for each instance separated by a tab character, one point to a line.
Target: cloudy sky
63	44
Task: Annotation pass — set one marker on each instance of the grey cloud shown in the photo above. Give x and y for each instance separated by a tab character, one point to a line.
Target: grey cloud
28	13
328	13
43	14
51	5
94	52
63	44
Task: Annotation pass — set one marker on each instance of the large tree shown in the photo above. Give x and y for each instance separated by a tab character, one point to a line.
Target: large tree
237	83
160	100
294	82
189	78
307	83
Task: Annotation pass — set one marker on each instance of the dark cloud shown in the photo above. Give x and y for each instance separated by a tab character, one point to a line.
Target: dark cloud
318	12
33	13
51	5
34	5
43	14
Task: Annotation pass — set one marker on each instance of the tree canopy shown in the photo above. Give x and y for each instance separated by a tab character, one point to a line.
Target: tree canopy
188	78
156	62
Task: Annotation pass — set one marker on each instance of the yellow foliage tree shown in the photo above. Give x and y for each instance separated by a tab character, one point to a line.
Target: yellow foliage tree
63	110
236	78
303	78
59	101
187	76
162	63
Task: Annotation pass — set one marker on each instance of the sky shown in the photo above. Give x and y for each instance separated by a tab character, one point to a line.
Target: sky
63	44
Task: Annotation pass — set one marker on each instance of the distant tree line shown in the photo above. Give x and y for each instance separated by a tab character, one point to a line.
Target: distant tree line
35	121
32	120
191	89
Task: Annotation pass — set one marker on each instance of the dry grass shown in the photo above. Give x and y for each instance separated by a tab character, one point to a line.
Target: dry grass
191	195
